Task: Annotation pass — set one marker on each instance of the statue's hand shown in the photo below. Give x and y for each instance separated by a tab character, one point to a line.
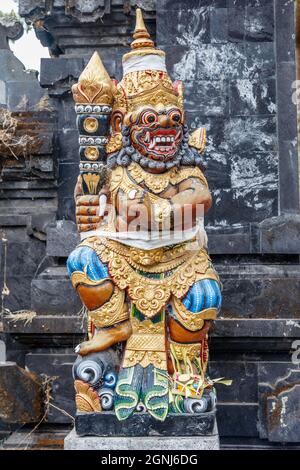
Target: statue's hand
87	209
87	213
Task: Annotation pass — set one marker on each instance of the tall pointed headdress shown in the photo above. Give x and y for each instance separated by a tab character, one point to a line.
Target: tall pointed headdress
145	78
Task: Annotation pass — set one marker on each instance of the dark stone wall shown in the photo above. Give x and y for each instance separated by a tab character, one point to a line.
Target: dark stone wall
237	61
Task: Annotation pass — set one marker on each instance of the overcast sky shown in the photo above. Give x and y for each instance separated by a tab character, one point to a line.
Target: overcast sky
28	49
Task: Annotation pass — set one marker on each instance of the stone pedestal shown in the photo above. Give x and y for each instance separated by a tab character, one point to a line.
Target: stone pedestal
102	431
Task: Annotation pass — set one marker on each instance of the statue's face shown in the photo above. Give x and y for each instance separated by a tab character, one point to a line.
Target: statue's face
156	132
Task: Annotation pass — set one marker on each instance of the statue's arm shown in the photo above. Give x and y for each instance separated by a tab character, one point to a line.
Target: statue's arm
192	192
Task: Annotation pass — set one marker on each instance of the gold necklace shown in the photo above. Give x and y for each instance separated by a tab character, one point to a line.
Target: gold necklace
159	182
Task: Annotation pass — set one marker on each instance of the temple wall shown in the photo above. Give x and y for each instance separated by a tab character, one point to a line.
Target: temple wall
237	60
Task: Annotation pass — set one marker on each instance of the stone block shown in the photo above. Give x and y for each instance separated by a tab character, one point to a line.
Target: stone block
280	234
206	98
236	28
288	171
54	295
218	25
256	328
184	27
272	290
279	405
285	31
47	328
106	424
20	394
243	373
44	438
287	109
195	443
68	174
226	240
251	205
259	23
253	97
60	69
240	131
68	143
62	238
237	420
58	368
24	96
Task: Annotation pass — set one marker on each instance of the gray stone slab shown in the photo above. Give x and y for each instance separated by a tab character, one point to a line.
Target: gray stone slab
280	234
62	238
106	424
74	442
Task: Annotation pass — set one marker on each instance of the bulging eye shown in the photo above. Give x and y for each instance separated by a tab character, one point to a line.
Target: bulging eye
149	117
175	116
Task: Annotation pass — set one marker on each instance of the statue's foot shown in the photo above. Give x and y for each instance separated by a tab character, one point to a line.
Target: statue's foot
105	338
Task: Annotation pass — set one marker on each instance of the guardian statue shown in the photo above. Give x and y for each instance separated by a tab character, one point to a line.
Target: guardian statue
142	269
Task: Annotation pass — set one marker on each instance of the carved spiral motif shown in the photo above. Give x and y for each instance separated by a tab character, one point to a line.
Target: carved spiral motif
141	408
110	380
106	396
89	371
193	405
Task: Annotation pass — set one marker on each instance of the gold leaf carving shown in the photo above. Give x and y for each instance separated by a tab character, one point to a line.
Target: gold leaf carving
92	181
198	139
91	153
90	124
94	85
113	311
86	397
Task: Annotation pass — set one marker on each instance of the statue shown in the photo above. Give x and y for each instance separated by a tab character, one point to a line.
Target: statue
142	269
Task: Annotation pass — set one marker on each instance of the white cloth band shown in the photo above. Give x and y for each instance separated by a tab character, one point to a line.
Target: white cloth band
149	241
144	62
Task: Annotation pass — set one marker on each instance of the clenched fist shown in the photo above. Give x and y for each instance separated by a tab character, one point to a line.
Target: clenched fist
88	214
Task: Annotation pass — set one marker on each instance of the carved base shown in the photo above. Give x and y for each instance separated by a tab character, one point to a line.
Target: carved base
105	424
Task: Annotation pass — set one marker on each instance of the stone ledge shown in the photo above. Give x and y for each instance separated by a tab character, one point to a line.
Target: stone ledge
74	442
105	424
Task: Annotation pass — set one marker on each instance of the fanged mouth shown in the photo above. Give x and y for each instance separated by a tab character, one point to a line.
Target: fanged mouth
163	142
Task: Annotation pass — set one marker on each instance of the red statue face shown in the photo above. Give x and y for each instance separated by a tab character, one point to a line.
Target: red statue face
156	132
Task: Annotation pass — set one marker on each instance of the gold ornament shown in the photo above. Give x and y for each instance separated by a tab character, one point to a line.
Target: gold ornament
192	321
94	85
198	139
142	43
91	153
184	351
114	311
92	181
79	277
146	345
115	143
90	124
86	397
157	95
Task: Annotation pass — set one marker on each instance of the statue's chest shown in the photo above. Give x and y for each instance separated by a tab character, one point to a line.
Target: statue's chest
134	178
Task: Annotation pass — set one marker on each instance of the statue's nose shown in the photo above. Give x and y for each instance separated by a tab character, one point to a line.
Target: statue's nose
163	120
